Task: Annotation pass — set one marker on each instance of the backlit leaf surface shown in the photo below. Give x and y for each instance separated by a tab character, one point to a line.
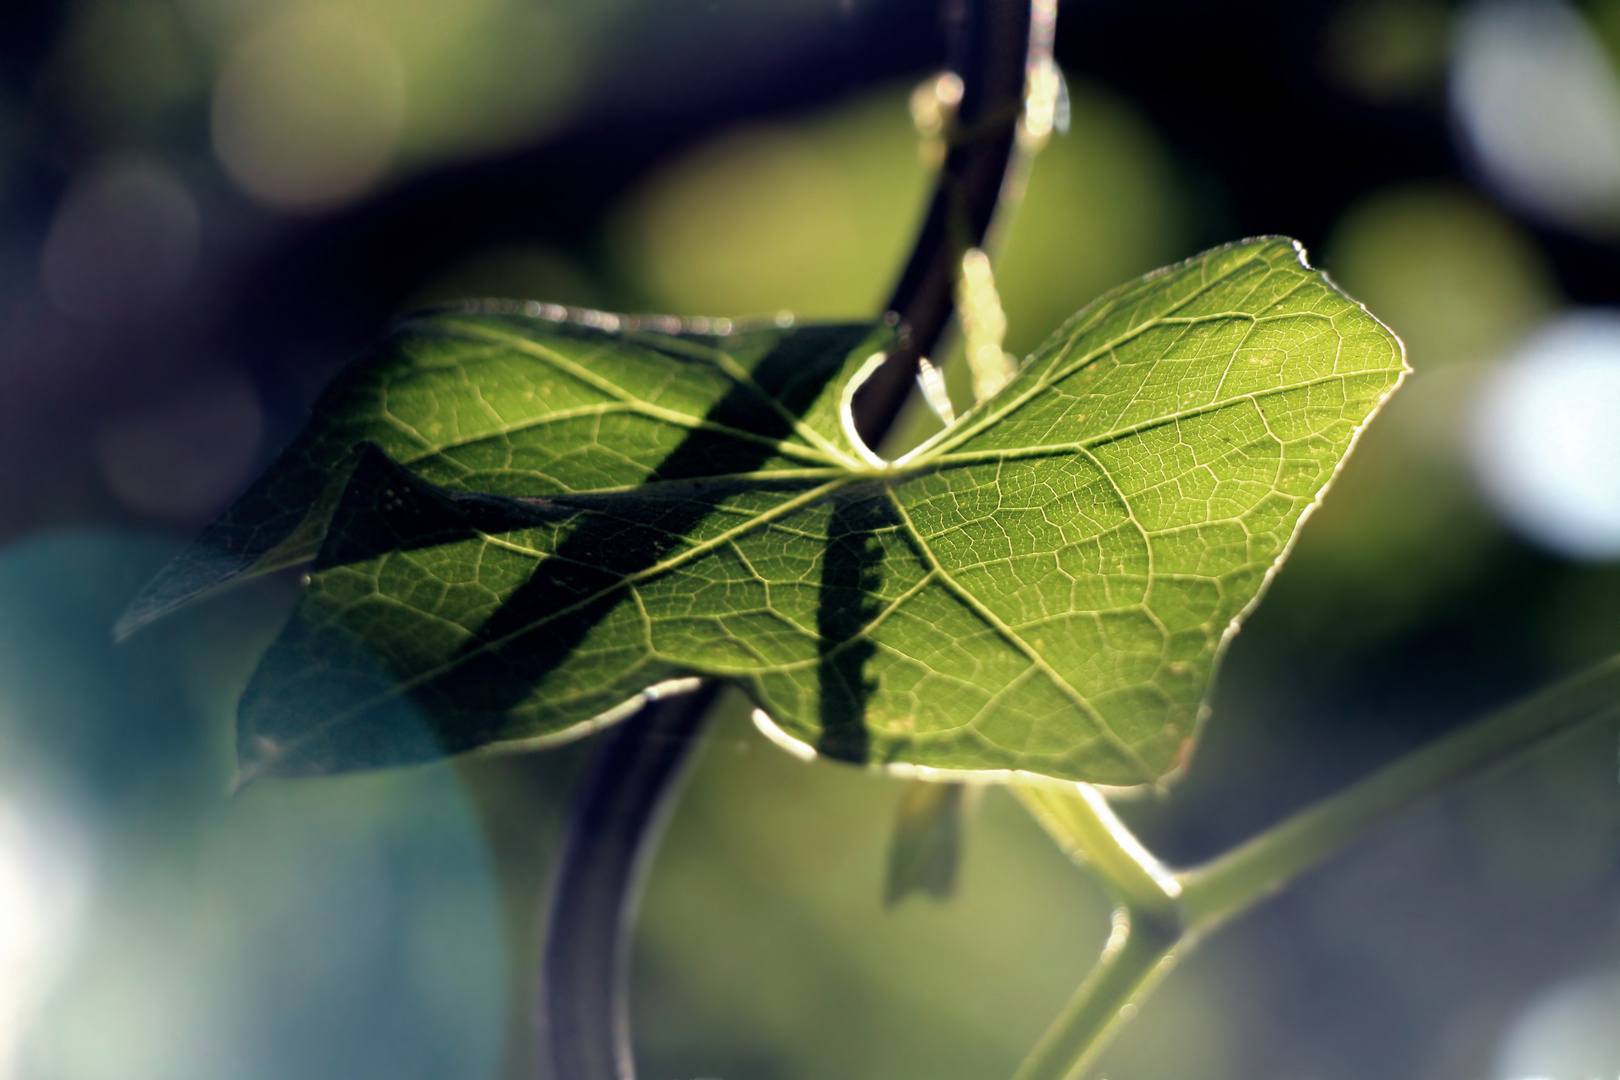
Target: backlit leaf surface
518	522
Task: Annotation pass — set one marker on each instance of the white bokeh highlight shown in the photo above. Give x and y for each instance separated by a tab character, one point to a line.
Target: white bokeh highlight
45	876
1544	439
1537	104
1568	1033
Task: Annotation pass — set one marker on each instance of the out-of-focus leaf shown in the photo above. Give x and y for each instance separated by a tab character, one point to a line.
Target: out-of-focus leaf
517	523
927	843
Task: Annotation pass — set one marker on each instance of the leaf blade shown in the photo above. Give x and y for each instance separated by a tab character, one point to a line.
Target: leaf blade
1046	586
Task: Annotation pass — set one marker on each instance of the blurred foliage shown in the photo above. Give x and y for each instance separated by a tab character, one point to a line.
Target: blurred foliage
1388	50
124	69
316	930
352	927
298	86
926	846
845	190
307	90
837	195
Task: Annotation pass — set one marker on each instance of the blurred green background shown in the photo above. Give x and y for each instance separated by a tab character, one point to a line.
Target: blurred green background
206	206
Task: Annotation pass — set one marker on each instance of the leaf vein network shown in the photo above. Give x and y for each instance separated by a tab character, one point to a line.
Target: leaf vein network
972	603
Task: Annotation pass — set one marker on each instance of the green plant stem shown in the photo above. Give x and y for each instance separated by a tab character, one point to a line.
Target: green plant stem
1084	825
1147	924
1139	953
1161	919
1235	881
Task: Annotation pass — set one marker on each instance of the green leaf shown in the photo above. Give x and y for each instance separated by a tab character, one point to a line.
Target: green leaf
521	403
518	523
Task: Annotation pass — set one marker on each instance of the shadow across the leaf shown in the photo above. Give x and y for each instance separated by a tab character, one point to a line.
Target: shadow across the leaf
607	538
851	578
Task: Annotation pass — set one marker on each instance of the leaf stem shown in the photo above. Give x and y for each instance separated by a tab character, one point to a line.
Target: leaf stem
582	1017
1161	919
1235	881
1084	825
1148	925
1138	954
996	43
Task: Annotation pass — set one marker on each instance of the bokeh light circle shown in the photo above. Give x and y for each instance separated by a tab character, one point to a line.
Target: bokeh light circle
1538	104
1568	1031
183	456
45	881
309	109
124	239
1545	437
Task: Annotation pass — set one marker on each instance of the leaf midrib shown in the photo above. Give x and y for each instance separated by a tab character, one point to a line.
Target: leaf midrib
903	471
968	457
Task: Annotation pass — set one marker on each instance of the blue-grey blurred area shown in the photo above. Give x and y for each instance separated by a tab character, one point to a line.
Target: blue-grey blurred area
207	206
152	927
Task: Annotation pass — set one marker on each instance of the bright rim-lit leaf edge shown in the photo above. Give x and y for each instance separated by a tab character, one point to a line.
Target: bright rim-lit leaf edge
972	428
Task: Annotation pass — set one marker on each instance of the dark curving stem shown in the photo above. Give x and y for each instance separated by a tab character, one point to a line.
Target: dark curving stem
623	799
582	1026
994	44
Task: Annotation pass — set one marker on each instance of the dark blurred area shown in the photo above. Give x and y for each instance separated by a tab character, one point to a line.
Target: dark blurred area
207	206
